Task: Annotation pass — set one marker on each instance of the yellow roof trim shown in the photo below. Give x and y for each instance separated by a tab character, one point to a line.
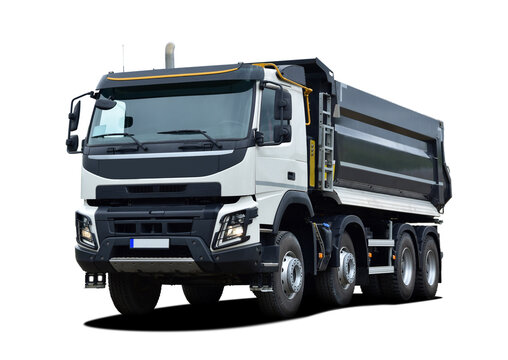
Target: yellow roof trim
173	75
306	90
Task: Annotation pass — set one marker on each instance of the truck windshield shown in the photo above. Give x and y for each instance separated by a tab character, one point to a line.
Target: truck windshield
156	113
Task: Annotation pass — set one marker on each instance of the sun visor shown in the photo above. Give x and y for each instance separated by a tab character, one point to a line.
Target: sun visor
181	75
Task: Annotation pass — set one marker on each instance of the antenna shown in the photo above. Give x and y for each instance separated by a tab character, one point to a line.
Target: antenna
123	58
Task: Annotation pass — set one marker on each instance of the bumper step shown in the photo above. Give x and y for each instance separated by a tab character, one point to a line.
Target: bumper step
156	265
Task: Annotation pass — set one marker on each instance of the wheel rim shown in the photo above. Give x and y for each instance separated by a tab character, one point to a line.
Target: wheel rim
431	267
406	266
347	268
291	275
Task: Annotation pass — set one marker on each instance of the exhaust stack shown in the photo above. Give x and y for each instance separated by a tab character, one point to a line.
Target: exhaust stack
170	55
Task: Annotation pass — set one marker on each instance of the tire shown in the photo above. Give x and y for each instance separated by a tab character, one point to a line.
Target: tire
200	295
372	289
427	277
133	294
288	280
400	285
335	285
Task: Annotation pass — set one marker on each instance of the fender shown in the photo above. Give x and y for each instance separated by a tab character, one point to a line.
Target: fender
398	229
339	224
289	198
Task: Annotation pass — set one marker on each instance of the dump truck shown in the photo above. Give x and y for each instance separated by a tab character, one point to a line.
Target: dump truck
269	174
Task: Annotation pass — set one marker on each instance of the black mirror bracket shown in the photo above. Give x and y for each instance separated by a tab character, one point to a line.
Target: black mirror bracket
72	141
259	138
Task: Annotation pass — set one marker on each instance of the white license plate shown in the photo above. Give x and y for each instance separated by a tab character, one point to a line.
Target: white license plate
149	244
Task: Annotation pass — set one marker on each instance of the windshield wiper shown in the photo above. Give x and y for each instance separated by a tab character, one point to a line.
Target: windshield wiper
140	144
189	132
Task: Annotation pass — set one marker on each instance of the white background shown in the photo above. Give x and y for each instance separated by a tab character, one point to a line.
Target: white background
447	60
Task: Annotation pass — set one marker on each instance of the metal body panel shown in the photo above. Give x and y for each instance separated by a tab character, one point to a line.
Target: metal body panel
156	265
379	147
227	178
379	201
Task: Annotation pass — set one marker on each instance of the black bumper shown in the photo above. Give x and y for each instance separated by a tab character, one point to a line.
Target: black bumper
250	259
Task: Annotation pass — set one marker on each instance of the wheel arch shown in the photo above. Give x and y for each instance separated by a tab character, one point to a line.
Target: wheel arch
353	225
399	229
292	214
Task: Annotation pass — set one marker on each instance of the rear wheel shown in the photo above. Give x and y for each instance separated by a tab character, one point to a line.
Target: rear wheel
133	294
288	281
335	285
399	286
427	277
202	294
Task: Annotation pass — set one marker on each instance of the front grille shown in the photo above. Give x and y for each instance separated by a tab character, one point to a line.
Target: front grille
151	227
149	189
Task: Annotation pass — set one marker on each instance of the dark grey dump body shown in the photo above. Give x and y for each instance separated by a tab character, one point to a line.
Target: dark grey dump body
379	146
386	148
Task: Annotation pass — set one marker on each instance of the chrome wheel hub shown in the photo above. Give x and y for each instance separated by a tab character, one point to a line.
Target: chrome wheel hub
406	265
291	275
431	267
347	268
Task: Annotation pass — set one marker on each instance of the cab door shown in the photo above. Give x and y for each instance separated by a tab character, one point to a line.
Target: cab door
281	161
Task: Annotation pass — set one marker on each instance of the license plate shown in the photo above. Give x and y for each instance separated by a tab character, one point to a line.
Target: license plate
149	244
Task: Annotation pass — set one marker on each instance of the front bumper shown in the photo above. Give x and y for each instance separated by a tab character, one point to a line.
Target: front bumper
185	256
191	231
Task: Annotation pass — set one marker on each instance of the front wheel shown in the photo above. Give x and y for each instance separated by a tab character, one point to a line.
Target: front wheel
288	281
133	294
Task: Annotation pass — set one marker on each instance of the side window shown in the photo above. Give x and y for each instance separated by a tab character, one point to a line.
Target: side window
266	120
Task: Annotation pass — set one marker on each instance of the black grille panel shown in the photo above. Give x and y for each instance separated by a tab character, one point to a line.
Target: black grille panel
151	227
143	189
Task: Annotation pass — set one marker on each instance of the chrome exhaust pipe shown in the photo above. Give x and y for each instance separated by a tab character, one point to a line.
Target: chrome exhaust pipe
170	55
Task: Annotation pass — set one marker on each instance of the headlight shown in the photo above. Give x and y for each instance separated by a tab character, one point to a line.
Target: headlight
84	234
233	230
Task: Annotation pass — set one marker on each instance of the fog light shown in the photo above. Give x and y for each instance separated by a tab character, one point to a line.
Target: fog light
232	230
84	235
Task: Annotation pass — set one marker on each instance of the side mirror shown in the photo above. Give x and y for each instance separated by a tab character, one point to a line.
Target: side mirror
72	144
74	117
105	104
282	105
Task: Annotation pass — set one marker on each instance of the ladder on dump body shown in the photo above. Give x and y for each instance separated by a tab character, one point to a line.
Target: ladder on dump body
325	142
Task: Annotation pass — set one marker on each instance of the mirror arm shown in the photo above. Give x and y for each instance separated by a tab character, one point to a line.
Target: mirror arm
90	93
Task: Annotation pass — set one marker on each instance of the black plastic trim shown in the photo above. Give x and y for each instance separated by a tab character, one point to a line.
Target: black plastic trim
291	197
243	260
145	191
171	167
244	72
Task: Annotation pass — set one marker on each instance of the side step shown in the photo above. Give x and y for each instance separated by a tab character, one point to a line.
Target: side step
388	243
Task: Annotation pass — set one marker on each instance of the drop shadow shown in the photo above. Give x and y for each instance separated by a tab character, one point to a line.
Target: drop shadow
224	315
